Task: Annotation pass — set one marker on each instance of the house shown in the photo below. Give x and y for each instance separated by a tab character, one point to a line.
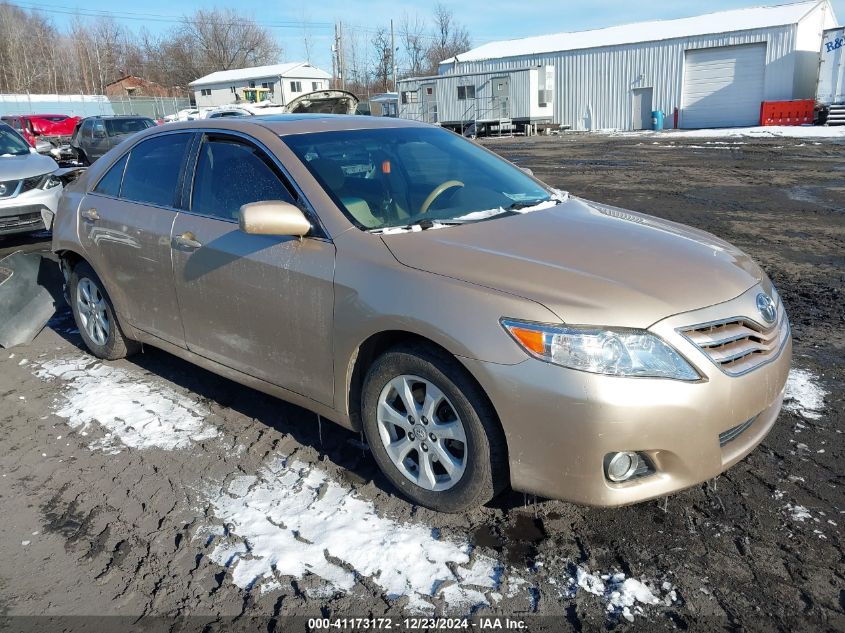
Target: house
279	83
712	70
133	86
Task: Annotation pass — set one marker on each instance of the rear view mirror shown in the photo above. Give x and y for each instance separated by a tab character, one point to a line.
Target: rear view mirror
273	217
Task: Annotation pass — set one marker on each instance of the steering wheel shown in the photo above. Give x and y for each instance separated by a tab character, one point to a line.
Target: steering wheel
437	191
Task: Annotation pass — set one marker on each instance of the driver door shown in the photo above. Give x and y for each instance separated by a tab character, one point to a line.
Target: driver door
259	304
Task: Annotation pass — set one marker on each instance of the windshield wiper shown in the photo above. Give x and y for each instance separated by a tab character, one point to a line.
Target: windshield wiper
424	225
516	206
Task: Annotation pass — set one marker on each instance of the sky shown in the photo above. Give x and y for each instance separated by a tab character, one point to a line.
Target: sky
487	20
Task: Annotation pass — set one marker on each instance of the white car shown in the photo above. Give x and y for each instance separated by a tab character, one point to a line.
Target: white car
29	186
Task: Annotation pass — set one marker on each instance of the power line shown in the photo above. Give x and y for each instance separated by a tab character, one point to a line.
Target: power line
173	19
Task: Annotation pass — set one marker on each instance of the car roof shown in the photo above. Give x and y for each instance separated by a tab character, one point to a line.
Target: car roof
287	124
118	116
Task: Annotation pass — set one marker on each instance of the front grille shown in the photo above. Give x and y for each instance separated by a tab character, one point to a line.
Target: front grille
20	220
738	345
735	431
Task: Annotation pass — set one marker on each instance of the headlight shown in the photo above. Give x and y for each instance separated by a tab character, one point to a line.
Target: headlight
615	352
50	181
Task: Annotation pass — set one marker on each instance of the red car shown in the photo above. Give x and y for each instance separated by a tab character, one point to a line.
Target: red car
31	126
52	124
22	125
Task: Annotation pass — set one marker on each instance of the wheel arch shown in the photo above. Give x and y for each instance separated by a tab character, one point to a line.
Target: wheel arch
376	345
68	260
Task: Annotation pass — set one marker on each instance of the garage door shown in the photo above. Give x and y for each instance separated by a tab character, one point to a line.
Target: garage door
723	87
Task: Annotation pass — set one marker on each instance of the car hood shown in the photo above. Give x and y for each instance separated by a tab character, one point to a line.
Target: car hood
25	166
588	263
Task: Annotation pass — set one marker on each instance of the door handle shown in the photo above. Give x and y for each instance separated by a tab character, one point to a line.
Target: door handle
91	214
187	240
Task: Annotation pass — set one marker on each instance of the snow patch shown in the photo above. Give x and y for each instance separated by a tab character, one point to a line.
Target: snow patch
623	596
798	513
291	519
768	131
804	395
130	411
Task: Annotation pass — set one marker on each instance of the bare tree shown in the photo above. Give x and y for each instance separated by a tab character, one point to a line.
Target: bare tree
356	63
221	39
383	60
450	37
414	44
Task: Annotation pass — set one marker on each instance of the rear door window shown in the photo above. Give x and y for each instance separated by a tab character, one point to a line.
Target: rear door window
231	173
153	172
119	127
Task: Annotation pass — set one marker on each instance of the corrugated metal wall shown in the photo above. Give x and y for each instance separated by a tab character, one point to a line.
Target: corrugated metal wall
593	86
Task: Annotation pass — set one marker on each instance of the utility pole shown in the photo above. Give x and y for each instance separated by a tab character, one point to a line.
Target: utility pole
334	58
341	71
393	54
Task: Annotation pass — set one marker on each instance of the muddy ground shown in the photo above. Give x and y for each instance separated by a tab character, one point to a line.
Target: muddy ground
151	487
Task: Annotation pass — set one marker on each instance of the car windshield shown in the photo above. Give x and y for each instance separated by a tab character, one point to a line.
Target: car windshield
117	127
11	144
387	178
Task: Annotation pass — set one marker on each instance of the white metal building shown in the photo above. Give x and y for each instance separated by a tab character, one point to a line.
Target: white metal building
284	81
715	69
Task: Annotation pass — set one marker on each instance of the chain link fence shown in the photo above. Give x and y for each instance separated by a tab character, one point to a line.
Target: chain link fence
91	105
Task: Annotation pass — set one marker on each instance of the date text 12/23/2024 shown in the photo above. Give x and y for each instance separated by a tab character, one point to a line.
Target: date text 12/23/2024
486	623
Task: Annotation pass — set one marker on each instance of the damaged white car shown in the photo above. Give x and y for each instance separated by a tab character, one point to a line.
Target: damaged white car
29	185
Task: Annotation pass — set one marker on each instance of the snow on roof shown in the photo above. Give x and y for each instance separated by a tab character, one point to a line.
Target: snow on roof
723	21
291	69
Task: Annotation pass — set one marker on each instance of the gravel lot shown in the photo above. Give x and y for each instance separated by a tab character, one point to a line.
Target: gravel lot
151	487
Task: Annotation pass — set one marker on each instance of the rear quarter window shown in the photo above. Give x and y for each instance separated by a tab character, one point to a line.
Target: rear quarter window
109	184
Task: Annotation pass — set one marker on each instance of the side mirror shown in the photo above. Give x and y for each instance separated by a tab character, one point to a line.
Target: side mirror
273	217
527	170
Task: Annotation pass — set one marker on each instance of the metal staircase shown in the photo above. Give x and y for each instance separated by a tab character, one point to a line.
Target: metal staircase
478	112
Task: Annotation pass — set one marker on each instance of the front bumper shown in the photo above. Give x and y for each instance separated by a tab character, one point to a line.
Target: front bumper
25	212
561	423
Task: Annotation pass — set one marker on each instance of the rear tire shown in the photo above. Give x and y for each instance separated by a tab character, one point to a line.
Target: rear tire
95	316
452	462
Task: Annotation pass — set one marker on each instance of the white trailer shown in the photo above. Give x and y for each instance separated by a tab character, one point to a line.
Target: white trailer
481	102
830	91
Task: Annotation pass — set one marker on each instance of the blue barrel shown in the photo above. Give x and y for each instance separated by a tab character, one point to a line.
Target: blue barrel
656	120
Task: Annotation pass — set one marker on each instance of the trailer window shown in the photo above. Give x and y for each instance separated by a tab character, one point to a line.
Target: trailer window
466	92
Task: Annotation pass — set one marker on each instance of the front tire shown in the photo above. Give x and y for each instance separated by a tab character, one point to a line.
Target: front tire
432	430
95	316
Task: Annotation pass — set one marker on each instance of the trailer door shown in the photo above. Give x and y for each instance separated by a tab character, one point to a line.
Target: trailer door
501	97
428	98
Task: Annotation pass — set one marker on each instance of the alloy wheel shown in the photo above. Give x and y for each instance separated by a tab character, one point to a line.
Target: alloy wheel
91	307
422	433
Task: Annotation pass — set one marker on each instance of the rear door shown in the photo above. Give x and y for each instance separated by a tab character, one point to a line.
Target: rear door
259	304
125	224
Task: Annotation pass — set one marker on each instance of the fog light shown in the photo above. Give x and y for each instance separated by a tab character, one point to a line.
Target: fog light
621	466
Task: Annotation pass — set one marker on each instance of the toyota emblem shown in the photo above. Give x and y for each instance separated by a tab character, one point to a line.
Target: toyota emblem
766	306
